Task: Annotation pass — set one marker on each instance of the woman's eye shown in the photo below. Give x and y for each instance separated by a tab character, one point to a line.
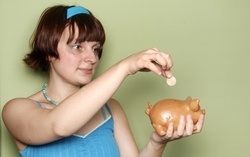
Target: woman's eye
76	46
96	49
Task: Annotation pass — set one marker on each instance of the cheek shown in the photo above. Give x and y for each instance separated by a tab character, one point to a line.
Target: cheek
68	59
65	65
97	63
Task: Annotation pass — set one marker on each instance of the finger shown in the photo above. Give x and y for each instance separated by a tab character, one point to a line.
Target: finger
170	130
167	74
155	49
166	63
161	64
199	124
164	72
164	59
181	126
189	125
153	67
156	61
169	61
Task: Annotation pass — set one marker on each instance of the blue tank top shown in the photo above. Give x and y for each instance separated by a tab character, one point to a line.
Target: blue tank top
100	142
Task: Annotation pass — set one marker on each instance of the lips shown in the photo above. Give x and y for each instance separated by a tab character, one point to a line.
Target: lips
86	71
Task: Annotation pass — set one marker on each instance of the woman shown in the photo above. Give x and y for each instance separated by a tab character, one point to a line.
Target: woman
72	115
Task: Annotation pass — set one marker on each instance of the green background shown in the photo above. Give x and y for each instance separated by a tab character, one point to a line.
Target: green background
209	41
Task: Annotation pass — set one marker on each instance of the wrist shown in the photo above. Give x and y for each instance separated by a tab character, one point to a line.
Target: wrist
158	145
122	68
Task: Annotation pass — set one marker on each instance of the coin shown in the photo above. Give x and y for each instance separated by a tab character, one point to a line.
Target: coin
171	81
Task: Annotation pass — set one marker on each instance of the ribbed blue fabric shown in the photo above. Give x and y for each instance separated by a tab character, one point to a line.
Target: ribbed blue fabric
98	143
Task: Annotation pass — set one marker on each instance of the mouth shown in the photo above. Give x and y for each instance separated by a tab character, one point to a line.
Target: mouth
86	70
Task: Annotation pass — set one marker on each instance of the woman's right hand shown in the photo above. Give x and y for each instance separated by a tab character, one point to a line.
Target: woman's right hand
149	60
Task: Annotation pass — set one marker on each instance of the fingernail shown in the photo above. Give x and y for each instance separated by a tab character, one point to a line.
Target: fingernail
182	117
169	75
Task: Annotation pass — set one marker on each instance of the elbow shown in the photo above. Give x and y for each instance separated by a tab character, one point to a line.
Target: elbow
62	130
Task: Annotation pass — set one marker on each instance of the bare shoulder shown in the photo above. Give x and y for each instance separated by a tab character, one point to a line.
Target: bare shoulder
115	106
17	106
113	101
117	111
16	102
122	131
25	119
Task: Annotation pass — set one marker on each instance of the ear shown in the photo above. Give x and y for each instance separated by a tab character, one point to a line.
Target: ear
49	58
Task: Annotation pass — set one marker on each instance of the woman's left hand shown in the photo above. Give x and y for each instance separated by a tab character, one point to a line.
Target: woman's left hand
185	129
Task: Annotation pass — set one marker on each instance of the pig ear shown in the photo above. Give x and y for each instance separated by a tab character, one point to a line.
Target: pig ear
189	98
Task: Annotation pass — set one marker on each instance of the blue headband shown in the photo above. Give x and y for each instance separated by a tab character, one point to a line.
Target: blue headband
76	10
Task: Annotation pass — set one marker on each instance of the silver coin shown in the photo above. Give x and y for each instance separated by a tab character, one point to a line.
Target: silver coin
171	81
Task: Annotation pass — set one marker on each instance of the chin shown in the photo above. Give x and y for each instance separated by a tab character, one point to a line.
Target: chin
84	82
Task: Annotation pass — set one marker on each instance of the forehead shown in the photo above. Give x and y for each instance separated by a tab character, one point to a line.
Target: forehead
66	35
83	28
69	35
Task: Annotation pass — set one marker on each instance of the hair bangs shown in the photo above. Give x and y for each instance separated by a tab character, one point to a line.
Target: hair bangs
89	29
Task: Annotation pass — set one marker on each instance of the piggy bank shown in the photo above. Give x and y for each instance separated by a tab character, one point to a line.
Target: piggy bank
170	110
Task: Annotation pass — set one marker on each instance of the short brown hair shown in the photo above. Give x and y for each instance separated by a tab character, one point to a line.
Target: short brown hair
51	25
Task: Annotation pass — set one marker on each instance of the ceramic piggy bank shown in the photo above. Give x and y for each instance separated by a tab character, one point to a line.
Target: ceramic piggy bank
169	110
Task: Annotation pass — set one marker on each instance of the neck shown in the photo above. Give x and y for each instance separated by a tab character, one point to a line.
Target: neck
57	92
46	95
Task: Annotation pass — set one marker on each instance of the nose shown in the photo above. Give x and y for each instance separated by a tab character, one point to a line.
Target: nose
90	56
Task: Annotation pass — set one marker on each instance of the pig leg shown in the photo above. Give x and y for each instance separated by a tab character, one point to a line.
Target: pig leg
160	129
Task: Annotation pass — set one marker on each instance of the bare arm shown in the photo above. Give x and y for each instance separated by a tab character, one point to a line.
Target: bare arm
124	138
26	121
91	97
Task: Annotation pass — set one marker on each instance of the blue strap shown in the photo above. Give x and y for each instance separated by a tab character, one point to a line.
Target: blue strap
103	112
40	105
109	110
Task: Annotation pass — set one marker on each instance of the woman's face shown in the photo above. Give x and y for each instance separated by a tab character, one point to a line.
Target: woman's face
77	61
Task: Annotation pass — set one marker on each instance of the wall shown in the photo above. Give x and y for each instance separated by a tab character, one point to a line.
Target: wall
208	40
